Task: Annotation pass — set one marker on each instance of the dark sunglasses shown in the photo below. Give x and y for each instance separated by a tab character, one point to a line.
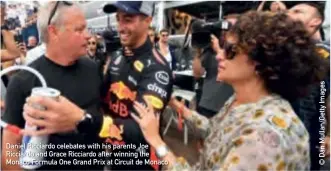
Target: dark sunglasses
91	43
55	8
230	50
164	35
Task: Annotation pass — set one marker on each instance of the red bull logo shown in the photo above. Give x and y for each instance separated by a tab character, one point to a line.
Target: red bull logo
122	91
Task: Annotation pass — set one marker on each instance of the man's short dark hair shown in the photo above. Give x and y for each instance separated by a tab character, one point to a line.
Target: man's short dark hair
164	30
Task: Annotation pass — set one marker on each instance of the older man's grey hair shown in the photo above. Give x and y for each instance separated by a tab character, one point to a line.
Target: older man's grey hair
57	20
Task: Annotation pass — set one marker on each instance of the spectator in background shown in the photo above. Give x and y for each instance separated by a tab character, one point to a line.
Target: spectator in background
95	53
152	35
311	14
214	94
32	42
38	51
31	28
167	51
92	47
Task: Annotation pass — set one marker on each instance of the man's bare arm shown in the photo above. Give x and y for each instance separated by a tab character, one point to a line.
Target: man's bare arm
11	52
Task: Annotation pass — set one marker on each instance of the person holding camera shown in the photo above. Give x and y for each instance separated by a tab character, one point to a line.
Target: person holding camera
265	57
214	94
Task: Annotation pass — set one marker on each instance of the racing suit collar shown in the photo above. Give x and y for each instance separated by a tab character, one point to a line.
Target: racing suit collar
138	52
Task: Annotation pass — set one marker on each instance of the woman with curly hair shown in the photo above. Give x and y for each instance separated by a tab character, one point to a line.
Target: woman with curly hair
268	59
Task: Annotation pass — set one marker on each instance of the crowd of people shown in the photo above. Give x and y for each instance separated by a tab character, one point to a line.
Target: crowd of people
259	107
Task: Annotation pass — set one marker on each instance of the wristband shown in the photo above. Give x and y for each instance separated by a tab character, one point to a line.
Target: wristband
85	123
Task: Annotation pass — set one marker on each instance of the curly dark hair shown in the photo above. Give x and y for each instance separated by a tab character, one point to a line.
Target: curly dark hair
286	55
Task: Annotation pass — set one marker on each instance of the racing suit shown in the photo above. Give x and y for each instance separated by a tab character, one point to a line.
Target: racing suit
142	75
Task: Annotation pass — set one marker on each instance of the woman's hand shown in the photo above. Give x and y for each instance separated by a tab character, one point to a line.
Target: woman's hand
148	121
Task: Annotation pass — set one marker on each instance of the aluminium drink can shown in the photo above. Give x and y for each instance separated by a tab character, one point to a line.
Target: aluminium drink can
34	147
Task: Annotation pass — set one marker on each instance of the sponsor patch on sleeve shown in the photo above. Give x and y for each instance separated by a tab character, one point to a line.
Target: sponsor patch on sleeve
154	101
323	52
107	123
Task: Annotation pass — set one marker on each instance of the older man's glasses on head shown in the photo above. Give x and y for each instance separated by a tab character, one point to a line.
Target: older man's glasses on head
55	8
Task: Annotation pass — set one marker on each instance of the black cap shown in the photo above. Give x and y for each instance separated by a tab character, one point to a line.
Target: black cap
131	7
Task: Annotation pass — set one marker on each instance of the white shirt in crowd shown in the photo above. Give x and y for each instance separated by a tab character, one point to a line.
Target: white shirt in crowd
168	58
35	53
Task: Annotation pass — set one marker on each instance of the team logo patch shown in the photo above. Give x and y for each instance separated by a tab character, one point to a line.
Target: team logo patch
107	123
160	91
322	52
138	65
110	131
154	101
122	91
162	77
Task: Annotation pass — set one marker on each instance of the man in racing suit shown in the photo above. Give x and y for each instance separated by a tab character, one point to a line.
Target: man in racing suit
135	74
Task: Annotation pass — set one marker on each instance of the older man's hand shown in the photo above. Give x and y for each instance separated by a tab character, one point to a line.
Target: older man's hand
60	116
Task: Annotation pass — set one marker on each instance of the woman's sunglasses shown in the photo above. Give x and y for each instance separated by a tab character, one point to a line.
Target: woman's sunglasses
91	43
230	50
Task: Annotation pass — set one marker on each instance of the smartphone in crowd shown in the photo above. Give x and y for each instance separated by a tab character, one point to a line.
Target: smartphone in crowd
18	38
